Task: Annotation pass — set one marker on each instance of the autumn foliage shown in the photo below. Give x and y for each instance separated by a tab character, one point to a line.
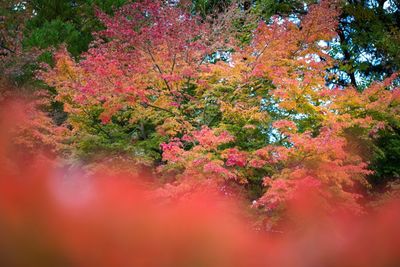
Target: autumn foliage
249	156
152	67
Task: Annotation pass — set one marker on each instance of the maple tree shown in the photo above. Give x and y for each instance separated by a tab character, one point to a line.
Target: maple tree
158	83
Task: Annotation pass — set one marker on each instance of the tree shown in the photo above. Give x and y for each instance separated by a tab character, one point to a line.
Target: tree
65	22
14	60
367	45
163	87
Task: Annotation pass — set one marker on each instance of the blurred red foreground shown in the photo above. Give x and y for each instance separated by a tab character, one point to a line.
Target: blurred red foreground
50	217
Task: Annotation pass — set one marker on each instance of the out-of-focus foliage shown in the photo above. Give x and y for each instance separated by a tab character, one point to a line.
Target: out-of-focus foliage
52	216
